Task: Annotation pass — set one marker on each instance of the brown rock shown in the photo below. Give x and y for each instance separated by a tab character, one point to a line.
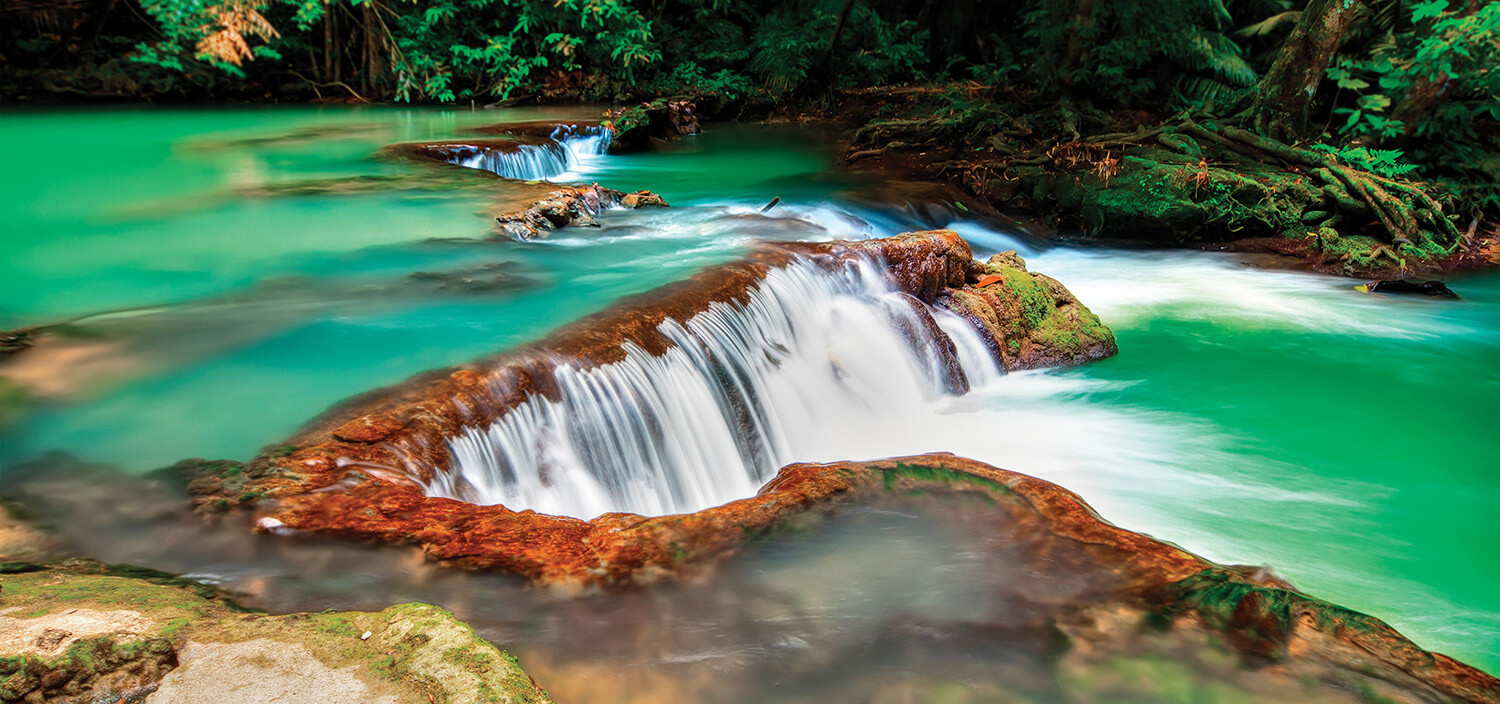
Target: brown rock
408	425
1134	578
560	208
368	429
642	199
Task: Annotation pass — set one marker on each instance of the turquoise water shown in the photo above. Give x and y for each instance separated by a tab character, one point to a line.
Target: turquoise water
1253	415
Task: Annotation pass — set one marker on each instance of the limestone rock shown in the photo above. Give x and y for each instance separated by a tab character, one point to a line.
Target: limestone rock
367	429
80	632
563	207
1149	604
642	199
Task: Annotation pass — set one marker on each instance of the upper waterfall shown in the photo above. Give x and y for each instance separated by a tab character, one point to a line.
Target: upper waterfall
567	150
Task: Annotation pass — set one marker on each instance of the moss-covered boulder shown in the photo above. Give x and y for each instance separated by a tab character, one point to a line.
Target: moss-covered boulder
661	120
1030	320
84	632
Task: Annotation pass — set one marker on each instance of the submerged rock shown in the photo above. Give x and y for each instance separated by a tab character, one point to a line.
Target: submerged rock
1120	602
13	341
80	632
1426	288
495	277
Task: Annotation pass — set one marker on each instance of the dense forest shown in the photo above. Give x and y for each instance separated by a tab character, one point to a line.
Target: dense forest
1392	107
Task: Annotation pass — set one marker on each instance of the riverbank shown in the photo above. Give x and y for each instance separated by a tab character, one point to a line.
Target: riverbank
1136	179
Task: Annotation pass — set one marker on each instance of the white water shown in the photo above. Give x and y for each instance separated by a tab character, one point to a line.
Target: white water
810	358
568	153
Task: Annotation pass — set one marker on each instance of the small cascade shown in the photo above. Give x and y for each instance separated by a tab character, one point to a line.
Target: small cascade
745	390
568	150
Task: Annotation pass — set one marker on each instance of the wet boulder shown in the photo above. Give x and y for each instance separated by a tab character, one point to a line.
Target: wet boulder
642	199
1029	320
661	120
13	341
1409	286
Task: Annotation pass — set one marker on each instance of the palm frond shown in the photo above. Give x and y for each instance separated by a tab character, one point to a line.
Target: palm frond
1270	24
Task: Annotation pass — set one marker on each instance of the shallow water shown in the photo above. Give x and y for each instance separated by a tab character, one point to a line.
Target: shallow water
1253	415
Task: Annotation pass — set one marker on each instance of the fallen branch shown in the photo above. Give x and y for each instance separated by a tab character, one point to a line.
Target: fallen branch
331	84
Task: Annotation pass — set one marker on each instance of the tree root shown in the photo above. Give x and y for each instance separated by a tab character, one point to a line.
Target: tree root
1408	213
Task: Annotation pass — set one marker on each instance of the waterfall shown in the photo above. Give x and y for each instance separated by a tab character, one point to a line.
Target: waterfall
569	149
744	390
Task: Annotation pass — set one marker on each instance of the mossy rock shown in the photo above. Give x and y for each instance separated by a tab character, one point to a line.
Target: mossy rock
1030	320
83	632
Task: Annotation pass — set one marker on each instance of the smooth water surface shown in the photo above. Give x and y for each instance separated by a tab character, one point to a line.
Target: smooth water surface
1253	415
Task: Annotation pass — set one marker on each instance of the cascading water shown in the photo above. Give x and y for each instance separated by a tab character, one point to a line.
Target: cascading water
745	390
569	149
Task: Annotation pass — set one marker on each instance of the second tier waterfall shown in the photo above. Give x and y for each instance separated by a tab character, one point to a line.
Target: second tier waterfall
745	390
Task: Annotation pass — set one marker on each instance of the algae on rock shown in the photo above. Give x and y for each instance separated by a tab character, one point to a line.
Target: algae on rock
78	632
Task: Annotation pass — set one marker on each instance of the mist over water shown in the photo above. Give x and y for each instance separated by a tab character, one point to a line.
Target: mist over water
1253	415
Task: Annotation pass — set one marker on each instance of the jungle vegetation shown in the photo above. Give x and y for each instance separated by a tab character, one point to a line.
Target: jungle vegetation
1377	94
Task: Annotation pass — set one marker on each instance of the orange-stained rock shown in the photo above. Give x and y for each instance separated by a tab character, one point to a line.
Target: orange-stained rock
1040	523
367	429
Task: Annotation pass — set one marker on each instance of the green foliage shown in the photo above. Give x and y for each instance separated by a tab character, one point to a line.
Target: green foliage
1386	162
455	49
1420	77
790	43
688	78
1117	52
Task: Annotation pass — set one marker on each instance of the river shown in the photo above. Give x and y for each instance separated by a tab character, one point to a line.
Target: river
1253	415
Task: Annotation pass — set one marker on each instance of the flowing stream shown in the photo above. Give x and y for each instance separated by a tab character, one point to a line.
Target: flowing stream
565	152
1253	415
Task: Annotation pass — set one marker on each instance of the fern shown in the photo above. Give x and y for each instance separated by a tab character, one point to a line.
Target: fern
1270	24
1389	163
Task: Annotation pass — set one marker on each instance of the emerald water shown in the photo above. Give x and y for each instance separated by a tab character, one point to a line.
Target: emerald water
1253	415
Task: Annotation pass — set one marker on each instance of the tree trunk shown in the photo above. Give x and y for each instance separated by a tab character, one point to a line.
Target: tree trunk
953	26
1077	52
1286	92
838	30
328	76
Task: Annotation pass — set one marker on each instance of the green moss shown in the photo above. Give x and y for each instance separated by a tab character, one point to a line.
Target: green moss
1258	619
335	625
937	475
84	584
20	566
1356	252
166	579
14	399
466	663
1068	335
1034	299
398	652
